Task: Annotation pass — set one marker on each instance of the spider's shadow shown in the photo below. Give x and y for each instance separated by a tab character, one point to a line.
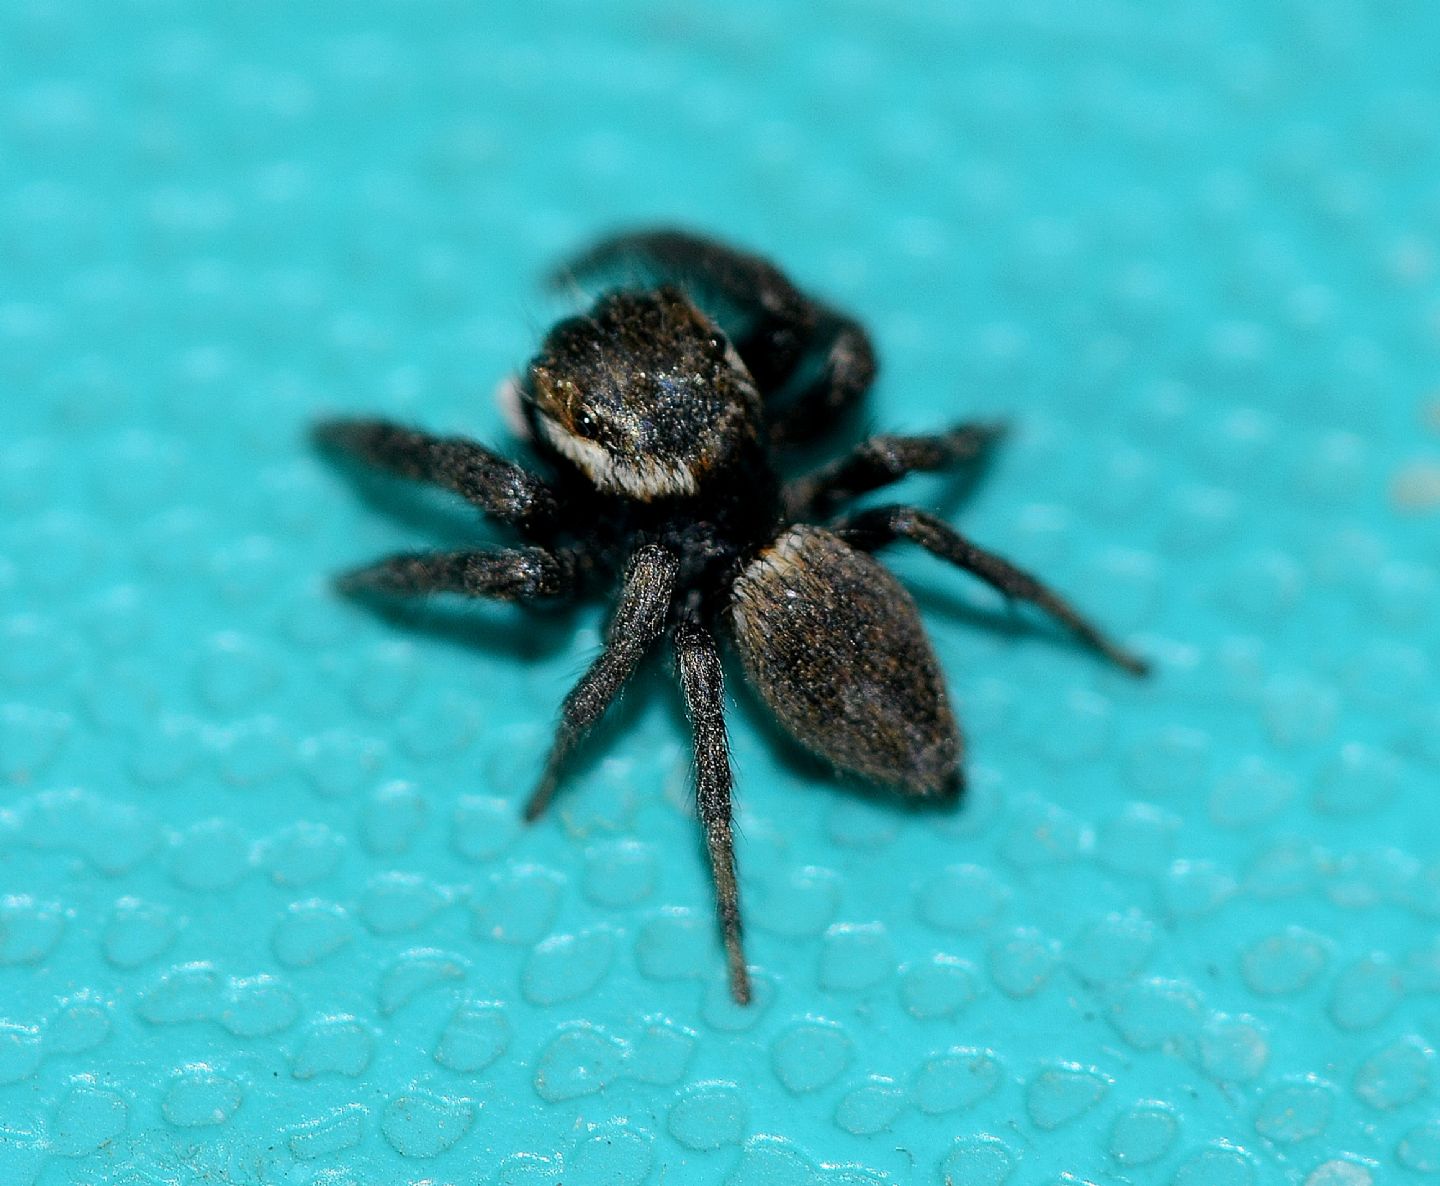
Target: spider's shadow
805	767
478	626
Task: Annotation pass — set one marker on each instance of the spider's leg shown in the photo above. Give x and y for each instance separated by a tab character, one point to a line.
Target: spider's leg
703	684
500	488
770	320
775	326
874	528
881	460
506	574
639	618
847	369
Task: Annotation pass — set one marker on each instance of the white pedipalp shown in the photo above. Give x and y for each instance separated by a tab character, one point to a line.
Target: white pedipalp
510	399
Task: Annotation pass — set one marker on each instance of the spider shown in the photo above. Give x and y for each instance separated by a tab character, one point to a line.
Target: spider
660	434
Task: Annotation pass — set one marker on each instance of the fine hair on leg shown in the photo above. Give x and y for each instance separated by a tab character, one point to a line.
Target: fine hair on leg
640	616
703	684
505	491
506	574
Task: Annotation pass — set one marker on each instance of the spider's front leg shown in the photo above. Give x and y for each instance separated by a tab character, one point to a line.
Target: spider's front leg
878	526
505	574
640	616
703	684
780	327
500	488
881	460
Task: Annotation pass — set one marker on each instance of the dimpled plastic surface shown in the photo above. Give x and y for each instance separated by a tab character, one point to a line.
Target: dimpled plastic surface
267	913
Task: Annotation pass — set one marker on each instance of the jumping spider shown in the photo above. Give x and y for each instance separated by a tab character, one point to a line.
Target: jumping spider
659	433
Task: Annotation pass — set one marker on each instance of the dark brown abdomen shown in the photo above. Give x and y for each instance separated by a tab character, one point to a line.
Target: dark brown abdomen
835	646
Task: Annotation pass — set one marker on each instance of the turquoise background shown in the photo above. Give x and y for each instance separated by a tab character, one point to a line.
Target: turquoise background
266	911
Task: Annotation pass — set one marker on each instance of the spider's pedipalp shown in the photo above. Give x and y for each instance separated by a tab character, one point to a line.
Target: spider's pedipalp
703	684
640	616
874	528
500	488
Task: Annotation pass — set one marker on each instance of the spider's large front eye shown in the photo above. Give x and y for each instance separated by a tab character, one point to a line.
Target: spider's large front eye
560	399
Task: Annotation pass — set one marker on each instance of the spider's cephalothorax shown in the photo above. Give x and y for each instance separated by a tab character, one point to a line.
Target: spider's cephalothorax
645	396
661	431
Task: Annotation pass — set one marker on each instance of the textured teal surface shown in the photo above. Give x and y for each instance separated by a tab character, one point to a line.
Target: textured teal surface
266	911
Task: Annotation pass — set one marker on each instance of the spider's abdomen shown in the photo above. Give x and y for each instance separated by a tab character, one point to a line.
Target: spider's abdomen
835	647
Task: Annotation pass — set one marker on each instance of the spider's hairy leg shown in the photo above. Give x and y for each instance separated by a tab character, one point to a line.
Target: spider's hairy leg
881	460
506	574
640	616
775	326
876	527
847	369
703	684
500	488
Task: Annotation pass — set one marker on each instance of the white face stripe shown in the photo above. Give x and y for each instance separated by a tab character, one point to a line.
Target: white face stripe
645	480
